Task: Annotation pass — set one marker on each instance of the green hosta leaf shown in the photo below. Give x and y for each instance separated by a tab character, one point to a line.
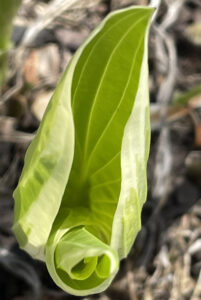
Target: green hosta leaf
79	200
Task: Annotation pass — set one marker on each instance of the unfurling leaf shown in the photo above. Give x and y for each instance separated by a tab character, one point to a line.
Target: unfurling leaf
79	200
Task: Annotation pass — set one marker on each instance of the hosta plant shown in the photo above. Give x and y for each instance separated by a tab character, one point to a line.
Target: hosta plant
79	199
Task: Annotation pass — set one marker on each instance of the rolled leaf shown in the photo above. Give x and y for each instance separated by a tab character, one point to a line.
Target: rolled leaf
79	199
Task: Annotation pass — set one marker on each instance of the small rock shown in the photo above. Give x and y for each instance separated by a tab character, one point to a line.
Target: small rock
42	64
41	101
193	33
70	38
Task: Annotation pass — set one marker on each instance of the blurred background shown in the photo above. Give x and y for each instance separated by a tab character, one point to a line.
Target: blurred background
165	261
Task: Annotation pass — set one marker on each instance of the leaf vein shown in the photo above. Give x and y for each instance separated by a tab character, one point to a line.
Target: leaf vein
99	86
105	183
105	165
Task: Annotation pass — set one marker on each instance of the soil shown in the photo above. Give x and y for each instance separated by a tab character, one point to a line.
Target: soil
165	261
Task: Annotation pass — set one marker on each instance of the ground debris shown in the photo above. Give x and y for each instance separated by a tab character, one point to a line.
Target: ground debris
165	262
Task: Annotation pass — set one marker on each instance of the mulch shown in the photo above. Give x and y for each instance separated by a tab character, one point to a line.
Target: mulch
165	261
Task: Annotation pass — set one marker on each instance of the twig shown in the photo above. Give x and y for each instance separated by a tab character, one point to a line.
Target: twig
167	87
172	14
163	155
17	137
162	172
131	285
156	4
12	91
56	8
7	179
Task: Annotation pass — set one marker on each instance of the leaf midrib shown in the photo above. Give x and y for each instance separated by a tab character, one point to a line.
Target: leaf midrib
91	52
99	87
116	110
83	69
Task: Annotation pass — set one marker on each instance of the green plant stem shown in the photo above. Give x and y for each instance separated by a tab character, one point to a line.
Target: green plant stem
8	10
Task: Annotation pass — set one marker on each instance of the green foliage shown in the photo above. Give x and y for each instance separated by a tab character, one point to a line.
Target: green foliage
79	200
183	98
8	9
